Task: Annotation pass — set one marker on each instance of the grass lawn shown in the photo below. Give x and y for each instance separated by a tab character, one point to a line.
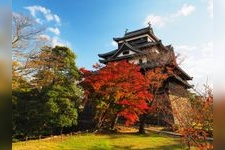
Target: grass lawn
123	141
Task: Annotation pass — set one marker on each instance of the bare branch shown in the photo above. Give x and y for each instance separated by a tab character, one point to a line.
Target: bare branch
24	31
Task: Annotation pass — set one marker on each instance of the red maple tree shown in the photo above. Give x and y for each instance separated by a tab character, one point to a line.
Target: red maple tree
117	89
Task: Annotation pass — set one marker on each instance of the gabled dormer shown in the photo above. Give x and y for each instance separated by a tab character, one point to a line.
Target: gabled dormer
125	51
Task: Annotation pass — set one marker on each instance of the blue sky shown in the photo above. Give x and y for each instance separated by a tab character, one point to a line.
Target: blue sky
88	27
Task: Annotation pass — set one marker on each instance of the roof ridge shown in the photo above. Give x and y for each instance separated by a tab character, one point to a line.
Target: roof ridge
136	31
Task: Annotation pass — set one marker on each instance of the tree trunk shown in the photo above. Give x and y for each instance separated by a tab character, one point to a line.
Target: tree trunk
102	117
61	131
114	122
188	146
26	139
100	121
142	124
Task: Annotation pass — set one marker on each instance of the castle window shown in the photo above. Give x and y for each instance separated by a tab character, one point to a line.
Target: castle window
125	52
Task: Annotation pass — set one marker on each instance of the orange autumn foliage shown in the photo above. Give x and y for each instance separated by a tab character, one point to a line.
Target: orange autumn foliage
120	89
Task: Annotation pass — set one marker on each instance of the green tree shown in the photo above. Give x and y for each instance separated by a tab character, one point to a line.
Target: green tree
56	76
28	116
48	97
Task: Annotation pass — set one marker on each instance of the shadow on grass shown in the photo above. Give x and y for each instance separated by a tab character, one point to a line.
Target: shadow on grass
111	148
132	146
167	147
150	134
116	147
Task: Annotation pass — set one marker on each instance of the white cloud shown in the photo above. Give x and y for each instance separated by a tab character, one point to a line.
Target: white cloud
198	62
185	10
186	47
43	15
160	21
56	31
56	41
48	15
38	20
34	9
210	8
114	43
57	19
155	20
44	37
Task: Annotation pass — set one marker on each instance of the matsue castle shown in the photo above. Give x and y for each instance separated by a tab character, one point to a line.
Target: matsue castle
144	48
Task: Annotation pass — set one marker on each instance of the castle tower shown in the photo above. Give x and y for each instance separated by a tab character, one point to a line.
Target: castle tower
145	49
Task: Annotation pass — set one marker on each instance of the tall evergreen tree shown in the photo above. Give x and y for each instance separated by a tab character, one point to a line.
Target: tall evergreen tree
56	76
51	98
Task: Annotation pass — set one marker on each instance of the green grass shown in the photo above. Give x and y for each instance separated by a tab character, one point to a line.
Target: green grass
103	142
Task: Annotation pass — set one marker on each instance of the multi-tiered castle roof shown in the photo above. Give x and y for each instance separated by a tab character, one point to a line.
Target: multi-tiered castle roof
144	48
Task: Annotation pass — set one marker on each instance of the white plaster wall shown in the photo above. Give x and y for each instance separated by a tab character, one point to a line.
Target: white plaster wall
130	52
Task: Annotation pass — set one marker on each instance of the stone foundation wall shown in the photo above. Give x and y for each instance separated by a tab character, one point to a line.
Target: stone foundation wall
181	108
180	104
